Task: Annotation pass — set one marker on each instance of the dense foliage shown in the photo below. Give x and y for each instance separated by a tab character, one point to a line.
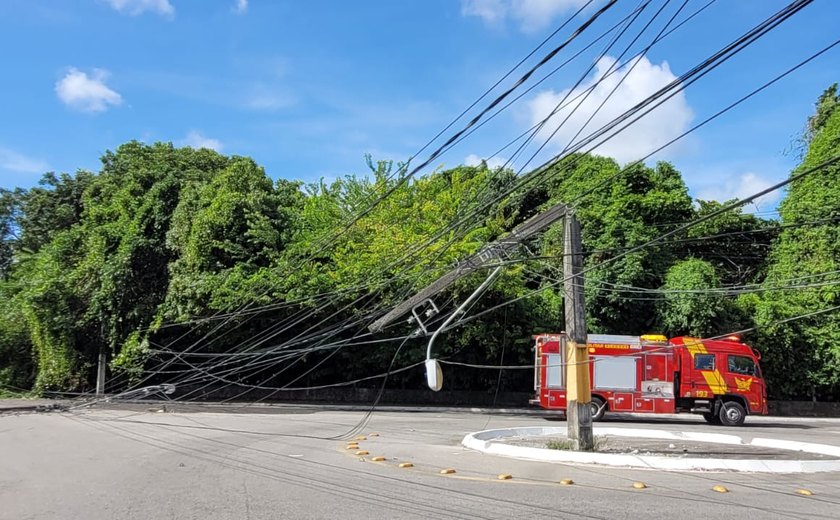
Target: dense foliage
803	356
169	254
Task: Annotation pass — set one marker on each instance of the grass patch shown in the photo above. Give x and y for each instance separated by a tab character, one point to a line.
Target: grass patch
560	444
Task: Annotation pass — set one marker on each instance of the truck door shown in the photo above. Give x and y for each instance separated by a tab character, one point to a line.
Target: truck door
746	380
706	378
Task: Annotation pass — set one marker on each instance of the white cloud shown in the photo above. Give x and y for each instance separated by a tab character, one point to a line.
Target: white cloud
642	137
530	15
86	93
742	186
137	7
492	163
267	97
195	140
241	6
16	162
491	11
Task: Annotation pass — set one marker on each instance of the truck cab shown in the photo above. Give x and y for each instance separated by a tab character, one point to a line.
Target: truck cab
720	378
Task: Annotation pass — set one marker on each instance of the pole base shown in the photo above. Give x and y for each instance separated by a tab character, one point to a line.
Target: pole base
579	426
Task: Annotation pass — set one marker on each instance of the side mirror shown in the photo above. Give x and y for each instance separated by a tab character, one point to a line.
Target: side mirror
434	375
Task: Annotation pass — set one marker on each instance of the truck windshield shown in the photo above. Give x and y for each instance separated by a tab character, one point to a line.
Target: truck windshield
743	365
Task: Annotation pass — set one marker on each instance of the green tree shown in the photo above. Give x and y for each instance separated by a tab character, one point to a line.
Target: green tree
9	209
53	206
102	264
735	243
226	236
619	209
802	356
690	305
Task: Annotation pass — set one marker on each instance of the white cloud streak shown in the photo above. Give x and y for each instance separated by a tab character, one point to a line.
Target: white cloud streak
743	185
240	6
530	15
11	160
87	93
138	7
194	139
642	137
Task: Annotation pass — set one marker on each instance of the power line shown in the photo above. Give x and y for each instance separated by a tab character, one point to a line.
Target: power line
722	55
580	30
662	237
712	215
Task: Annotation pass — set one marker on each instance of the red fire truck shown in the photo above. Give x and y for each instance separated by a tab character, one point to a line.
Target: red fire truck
719	379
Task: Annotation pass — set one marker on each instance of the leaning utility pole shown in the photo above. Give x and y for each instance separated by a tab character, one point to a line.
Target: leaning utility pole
578	394
481	260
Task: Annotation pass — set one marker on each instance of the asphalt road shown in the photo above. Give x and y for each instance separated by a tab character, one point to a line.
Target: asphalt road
109	464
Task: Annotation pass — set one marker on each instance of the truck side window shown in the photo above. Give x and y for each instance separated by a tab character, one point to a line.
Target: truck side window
704	361
742	365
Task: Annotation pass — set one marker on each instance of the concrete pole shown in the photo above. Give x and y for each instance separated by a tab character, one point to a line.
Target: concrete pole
100	372
578	393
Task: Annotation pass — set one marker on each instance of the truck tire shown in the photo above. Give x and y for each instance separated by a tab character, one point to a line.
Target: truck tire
732	414
711	418
596	404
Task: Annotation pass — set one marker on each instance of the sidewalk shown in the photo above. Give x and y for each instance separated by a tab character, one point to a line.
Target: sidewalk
26	405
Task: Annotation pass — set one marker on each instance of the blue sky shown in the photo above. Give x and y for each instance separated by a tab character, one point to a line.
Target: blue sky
307	88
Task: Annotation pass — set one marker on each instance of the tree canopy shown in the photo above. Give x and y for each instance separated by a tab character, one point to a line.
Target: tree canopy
167	254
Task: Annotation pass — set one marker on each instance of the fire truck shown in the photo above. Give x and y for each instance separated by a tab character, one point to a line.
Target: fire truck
720	379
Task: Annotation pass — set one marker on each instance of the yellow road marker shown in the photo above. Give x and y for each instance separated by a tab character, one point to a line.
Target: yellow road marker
567	482
373	435
361	438
406	465
447	471
378	459
639	485
505	476
362	452
352	447
720	489
804	492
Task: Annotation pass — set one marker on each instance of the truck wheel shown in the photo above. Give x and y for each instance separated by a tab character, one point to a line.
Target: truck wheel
596	405
732	414
711	418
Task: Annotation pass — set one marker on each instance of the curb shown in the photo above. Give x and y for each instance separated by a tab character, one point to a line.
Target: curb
490	442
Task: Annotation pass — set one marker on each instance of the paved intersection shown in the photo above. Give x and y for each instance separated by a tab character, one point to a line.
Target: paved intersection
138	464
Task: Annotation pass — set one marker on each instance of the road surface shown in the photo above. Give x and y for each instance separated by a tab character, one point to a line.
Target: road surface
136	464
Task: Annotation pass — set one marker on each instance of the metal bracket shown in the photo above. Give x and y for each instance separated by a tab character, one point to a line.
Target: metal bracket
429	313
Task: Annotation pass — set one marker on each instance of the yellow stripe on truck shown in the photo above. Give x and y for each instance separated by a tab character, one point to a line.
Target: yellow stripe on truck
715	381
713	377
694	346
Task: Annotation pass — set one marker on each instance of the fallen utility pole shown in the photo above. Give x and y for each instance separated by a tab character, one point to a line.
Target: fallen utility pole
578	393
490	252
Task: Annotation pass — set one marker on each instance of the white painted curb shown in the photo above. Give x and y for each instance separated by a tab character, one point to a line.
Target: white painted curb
491	442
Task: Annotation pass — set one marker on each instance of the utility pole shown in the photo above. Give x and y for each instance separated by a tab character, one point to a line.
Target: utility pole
100	372
578	393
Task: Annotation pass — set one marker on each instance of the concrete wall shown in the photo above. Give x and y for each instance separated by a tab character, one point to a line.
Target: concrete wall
368	395
804	409
418	397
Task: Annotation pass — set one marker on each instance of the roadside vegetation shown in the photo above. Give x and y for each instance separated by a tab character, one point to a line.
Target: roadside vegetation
130	259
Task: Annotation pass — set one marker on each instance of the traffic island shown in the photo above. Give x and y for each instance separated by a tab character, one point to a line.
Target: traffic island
660	449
